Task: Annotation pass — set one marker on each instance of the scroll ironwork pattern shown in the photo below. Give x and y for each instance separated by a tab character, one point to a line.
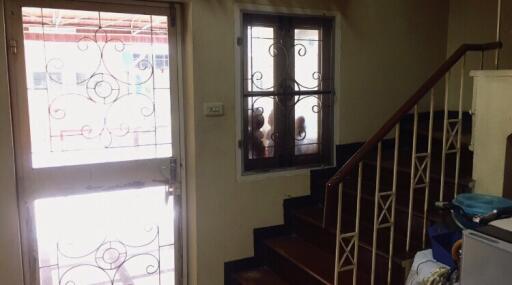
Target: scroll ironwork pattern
103	87
113	101
115	260
289	85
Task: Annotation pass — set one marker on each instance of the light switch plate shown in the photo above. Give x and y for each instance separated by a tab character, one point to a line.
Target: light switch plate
213	109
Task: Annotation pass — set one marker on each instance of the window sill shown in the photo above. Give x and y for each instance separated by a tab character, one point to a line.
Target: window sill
257	175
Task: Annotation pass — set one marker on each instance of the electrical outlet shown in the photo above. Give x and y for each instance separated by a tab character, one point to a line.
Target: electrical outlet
213	109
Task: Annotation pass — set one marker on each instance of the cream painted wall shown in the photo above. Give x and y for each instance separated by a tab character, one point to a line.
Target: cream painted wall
472	21
222	211
506	34
388	49
476	21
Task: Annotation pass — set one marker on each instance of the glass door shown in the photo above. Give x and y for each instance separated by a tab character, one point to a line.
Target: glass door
96	121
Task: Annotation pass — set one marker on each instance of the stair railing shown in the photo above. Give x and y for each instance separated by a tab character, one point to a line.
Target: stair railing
347	243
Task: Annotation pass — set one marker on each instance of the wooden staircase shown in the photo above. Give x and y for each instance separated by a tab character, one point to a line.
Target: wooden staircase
302	251
366	217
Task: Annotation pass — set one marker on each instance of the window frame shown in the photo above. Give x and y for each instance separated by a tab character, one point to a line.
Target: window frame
286	158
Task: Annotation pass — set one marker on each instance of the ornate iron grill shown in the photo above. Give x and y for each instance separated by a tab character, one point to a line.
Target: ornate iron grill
106	80
111	262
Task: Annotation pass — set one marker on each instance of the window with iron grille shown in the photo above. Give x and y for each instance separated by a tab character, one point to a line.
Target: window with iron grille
288	91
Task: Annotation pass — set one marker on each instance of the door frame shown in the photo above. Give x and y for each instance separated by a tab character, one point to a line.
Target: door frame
26	219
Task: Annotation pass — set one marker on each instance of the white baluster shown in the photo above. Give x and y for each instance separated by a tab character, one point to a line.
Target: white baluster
429	160
376	218
459	129
413	176
445	130
395	182
338	234
358	218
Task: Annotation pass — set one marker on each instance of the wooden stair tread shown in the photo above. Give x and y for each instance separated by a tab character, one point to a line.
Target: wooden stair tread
258	276
313	214
306	256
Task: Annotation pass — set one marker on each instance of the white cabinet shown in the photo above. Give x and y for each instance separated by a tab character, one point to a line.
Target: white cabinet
492	123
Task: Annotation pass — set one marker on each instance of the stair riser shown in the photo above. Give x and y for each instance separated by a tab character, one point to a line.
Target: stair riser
232	267
315	234
261	234
288	270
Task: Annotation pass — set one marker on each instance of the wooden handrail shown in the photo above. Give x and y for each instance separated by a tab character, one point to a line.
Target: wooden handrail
405	108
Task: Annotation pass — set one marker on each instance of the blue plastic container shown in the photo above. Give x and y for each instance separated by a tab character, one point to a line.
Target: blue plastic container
442	240
475	204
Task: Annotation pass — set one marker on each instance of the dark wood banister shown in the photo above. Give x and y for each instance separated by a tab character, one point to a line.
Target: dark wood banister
405	108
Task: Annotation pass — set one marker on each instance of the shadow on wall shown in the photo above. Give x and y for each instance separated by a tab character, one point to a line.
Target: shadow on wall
336	5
